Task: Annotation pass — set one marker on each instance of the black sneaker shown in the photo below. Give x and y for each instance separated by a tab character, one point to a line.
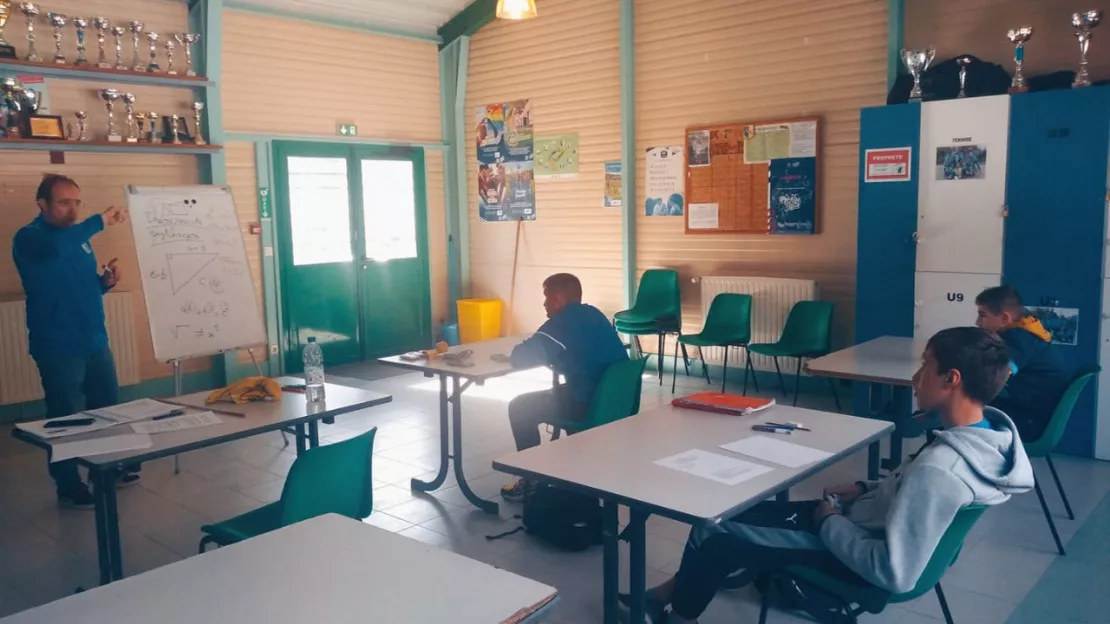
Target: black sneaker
127	479
76	497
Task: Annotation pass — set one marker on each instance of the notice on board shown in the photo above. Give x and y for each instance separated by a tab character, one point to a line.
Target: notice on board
891	164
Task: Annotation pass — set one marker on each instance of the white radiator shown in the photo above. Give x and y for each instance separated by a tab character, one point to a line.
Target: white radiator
772	299
19	377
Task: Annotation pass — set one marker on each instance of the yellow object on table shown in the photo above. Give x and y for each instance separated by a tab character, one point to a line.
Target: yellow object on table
247	390
479	319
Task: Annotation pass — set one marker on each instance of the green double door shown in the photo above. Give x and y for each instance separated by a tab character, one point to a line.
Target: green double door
353	250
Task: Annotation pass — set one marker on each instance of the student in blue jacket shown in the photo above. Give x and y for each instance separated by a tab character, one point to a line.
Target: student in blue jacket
879	532
577	340
65	314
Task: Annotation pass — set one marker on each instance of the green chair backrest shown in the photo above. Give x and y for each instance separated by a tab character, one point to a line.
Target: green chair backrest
1059	421
808	329
729	320
945	553
330	479
618	393
658	294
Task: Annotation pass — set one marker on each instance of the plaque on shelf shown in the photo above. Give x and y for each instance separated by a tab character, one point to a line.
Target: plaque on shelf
45	127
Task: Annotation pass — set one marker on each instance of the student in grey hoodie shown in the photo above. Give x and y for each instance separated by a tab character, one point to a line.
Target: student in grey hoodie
879	532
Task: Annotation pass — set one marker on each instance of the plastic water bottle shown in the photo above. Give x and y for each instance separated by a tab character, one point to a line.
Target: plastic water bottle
313	372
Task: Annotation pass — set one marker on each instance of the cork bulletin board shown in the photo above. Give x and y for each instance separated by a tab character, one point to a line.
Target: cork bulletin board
753	178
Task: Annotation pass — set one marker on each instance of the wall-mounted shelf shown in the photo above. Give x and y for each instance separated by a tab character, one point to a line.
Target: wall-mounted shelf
92	72
48	145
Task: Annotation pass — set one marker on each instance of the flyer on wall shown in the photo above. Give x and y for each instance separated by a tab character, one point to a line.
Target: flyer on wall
613	191
793	195
504	144
557	156
665	182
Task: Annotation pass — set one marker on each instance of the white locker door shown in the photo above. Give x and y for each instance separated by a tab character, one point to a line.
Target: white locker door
962	188
1102	411
946	300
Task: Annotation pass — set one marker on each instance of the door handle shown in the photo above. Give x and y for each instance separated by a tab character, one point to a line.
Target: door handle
916	237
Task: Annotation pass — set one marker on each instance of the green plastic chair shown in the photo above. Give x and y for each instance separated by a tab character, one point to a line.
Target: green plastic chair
1043	446
727	324
327	479
807	334
617	396
872	599
656	312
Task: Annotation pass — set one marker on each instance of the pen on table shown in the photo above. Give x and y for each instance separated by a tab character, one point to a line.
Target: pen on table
770	429
791	426
176	412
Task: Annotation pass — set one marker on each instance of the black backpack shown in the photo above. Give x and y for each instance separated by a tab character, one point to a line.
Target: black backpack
563	519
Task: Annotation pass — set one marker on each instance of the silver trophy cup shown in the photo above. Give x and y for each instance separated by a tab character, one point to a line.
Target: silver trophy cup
963	62
129	101
169	45
118	32
152	66
110	96
80	24
58	21
1019	37
916	62
82	127
136	28
102	26
198	108
187	40
1083	23
30	11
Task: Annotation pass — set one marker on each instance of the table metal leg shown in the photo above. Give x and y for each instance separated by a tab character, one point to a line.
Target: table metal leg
112	514
444	457
103	554
874	454
637	561
489	507
610	530
313	434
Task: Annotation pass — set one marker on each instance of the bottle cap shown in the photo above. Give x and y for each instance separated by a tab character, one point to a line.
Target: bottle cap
311	339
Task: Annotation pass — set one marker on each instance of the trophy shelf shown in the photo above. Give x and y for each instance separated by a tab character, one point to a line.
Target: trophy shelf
56	145
92	72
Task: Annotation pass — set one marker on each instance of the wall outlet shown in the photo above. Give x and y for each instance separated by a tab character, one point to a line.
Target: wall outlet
273	350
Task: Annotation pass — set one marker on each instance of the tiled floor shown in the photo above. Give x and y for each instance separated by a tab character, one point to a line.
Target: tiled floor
46	552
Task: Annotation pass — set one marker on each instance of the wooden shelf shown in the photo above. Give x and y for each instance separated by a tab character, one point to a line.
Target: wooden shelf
48	145
92	72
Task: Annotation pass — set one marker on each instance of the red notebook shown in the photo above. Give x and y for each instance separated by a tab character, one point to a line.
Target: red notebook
722	403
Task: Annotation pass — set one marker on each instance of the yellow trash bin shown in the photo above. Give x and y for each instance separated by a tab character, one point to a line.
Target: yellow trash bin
479	319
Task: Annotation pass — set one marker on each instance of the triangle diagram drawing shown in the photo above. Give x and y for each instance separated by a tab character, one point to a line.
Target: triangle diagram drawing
184	267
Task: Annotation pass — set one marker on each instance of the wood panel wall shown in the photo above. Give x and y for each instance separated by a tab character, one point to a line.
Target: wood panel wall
567	62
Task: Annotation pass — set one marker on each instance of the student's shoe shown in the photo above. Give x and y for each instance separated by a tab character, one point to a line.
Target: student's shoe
76	497
127	479
516	490
654	611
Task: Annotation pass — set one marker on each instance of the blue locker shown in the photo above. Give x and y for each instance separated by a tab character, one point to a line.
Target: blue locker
1056	191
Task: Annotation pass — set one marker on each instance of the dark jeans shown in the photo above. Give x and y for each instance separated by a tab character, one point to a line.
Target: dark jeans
528	411
71	385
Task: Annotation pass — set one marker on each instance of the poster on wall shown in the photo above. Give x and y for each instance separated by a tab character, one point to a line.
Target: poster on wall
888	164
697	148
557	156
665	182
613	192
1062	323
962	162
793	195
504	144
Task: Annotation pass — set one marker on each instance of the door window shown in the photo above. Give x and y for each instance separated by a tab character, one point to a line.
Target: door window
319	210
389	209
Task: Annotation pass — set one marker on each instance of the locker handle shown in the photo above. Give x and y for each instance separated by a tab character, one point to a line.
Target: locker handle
916	237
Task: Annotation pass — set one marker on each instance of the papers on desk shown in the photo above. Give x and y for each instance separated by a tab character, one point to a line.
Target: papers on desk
776	451
177	423
99	446
39	430
133	411
719	468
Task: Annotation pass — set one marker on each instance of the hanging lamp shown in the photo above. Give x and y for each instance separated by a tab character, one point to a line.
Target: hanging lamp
516	9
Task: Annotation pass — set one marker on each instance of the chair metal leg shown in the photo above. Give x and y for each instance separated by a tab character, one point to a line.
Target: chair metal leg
639	347
764	604
176	465
205	541
1047	515
674	369
724	372
685	358
662	344
704	365
778	371
751	367
836	397
797	381
1059	486
555	432
284	440
943	605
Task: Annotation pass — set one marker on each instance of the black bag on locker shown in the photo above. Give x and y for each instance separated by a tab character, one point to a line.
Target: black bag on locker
942	81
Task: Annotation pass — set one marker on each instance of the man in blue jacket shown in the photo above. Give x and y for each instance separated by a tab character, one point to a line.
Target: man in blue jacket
577	340
65	314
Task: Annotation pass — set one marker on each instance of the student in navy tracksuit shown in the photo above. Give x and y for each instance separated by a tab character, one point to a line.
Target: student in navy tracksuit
65	314
578	341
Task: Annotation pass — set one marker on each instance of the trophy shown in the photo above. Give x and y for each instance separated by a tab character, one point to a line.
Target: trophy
152	66
175	122
58	21
7	50
110	96
102	26
169	45
30	10
140	119
117	32
152	117
963	62
136	29
198	107
82	129
80	24
1019	37
12	89
1083	23
129	100
187	40
917	61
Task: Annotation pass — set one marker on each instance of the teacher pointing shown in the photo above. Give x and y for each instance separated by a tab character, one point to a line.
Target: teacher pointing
65	315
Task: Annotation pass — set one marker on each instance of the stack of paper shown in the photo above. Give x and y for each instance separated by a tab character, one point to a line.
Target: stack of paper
719	468
777	451
104	445
177	423
133	411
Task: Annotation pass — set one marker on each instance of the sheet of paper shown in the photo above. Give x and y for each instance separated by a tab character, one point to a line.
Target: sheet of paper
768	143
177	423
776	451
719	468
99	446
704	217
132	411
803	139
38	429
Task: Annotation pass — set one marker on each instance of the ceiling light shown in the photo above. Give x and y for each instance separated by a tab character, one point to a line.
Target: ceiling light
516	9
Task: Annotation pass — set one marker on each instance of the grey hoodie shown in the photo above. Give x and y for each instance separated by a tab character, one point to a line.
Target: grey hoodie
889	533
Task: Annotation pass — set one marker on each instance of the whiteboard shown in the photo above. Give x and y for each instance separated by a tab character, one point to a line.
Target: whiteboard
200	299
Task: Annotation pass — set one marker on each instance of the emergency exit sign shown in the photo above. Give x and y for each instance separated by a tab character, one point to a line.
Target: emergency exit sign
347	130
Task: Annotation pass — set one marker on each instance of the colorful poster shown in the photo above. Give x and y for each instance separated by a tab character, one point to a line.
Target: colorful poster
557	156
504	144
1062	323
962	162
697	148
614	192
665	182
766	143
890	164
793	195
